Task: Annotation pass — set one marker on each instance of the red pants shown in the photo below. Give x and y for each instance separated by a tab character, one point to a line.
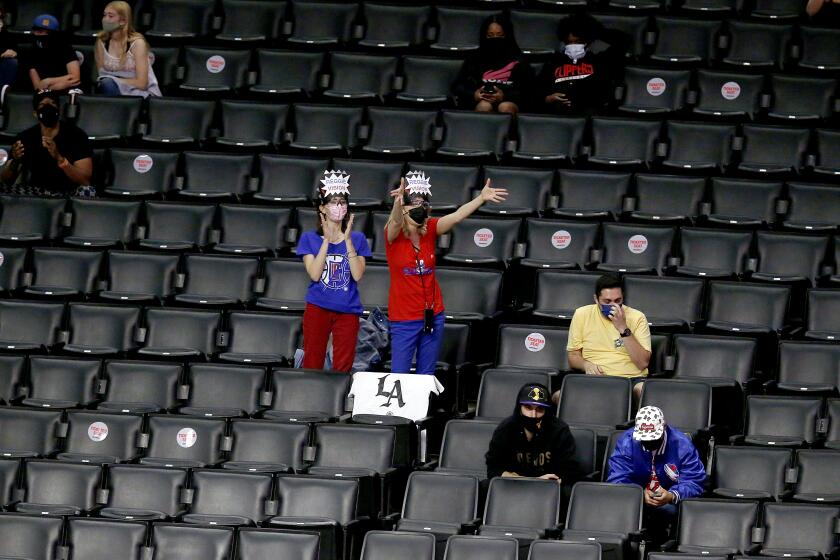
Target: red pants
318	323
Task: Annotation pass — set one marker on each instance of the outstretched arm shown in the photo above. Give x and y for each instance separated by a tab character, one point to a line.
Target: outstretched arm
487	194
395	221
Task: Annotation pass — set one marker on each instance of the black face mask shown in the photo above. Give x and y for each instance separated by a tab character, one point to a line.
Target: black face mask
495	46
529	423
48	116
41	41
652	445
418	215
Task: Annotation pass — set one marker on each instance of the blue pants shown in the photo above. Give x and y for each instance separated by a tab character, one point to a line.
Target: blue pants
8	71
408	338
107	86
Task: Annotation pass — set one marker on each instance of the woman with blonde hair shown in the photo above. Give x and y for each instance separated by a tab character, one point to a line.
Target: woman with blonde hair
122	55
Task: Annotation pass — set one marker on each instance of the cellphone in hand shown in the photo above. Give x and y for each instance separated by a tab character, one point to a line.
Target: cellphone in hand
489	89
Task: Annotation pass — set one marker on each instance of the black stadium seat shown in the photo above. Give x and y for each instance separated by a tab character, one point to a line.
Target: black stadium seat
64	272
221	390
400	131
382	545
467	134
548	138
265	544
215	70
178	541
180	19
248	124
135	276
498	384
218	280
457	28
144	493
209	175
140	173
428	80
175	121
360	77
138	386
251	21
322	23
109	119
713	253
29	325
623	141
267	446
685	40
102	437
750	473
542	348
753	43
558	244
716	527
103	223
654	90
282	72
229	498
330	128
667	198
591	194
58	488
29	218
30	536
389	26
728	94
469	546
100	539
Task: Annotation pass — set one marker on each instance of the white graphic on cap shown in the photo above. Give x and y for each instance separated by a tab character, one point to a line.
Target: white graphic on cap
483	237
143	163
215	64
186	437
730	90
534	342
561	239
98	431
4	156
656	86
637	244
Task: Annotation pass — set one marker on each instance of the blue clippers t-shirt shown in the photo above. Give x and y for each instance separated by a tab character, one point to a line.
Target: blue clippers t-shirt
336	290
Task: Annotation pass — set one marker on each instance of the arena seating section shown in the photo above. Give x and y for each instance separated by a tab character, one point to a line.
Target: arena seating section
150	409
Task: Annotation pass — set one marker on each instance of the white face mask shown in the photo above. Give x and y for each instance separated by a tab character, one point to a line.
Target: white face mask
575	51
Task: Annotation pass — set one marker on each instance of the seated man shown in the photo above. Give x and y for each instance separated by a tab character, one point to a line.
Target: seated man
57	155
662	460
608	337
53	65
531	443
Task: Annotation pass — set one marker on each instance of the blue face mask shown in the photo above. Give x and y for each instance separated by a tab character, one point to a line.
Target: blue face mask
606	309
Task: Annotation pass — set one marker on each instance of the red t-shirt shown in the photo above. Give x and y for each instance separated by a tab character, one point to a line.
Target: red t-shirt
406	298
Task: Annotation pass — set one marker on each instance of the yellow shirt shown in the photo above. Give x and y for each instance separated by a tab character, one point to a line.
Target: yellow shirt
601	343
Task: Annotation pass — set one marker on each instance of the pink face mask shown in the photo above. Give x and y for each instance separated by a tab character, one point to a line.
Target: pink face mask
337	212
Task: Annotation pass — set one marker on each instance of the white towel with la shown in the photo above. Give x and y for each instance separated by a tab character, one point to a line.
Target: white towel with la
393	394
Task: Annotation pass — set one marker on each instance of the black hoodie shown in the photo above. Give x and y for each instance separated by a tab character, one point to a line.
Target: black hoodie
551	450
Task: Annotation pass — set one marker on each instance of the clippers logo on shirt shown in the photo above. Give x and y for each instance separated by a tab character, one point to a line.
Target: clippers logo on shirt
568	72
672	471
421	270
335	275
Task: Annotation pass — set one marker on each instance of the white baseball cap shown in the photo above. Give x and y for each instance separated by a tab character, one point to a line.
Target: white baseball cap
650	424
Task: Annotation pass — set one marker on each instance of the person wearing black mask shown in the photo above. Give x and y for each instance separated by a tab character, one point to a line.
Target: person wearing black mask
531	443
495	78
56	154
53	64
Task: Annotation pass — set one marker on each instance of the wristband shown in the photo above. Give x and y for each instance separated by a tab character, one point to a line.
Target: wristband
64	164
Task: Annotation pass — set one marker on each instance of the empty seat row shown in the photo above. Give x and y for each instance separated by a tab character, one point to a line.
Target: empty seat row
173	333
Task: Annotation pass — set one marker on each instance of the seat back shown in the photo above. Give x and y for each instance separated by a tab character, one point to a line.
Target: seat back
791	255
755	305
800	527
296	390
221	492
288	71
809	363
225	386
441	497
428	79
326	126
631	246
101	539
66	268
247	122
102	434
486	548
467	131
146	488
225	277
33	217
29	432
254	227
63	379
717	524
215	69
745	200
464	445
355	446
60	483
335	499
151	274
666	196
714	356
269	442
191	542
264	333
686	405
216	173
590	400
182	328
783	416
665	299
289	178
30	322
384	545
593	190
184	223
471	291
30	536
812	204
818	472
561	293
179	119
110	327
265	544
751	468
714	250
561	242
183	438
104	219
322	22
590	500
535	346
528	189
522	502
623	141
563	550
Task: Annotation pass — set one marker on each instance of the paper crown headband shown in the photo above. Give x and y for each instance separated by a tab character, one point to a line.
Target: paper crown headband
417	183
335	182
